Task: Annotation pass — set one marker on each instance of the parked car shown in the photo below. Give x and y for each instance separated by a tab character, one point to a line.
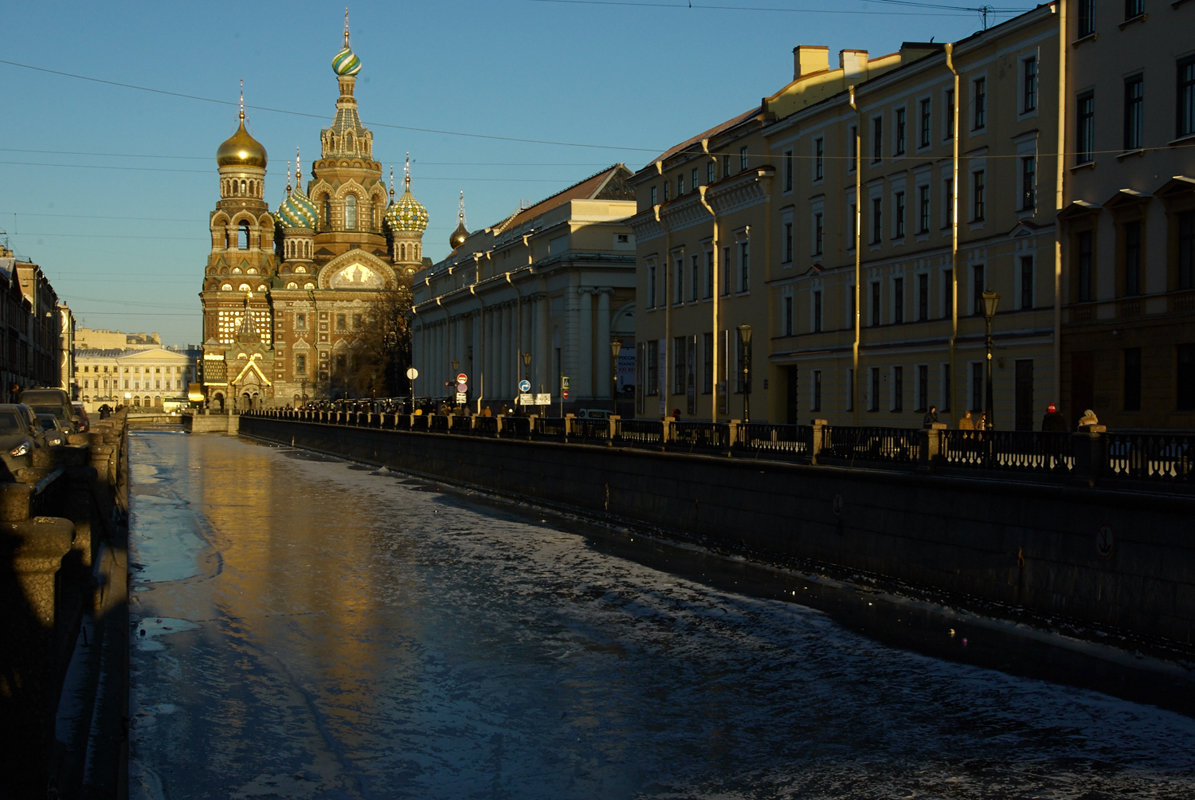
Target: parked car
52	401
81	413
53	431
19	439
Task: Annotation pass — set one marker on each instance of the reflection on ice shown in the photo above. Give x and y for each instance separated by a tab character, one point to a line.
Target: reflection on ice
342	632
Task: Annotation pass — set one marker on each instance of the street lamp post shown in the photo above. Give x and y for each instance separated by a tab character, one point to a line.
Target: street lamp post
526	369
745	341
615	347
456	365
990	301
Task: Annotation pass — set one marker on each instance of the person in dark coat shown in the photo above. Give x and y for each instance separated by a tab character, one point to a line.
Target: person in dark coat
1053	421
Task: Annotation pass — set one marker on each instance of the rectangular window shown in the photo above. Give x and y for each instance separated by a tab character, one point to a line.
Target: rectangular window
944	404
742	158
922	387
788	170
726	270
898	300
1186	250
707	361
1132	379
819	155
1085	264
1029	84
744	267
852	222
1133	9
341	322
680	185
1131	257
300	322
1028	183
1086	18
947	202
1026	282
899	212
877	138
875	303
709	273
816	316
788	242
978	195
977	287
1185	377
925	124
850	389
652	368
922	297
873	399
947	293
899	144
877	220
678	289
898	388
300	364
1134	107
1085	128
979	107
977	386
852	148
679	351
949	115
709	172
923	208
695	178
655	200
787	313
815	402
651	285
1186	97
819	233
695	274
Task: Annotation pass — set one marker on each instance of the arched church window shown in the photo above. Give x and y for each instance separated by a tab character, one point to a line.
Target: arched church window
243	235
327	212
242	187
350	213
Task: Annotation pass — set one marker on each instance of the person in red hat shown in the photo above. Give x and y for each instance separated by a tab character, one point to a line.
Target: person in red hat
1053	421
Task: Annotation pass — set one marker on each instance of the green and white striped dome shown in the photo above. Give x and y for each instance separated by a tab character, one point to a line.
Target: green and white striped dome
346	63
297	211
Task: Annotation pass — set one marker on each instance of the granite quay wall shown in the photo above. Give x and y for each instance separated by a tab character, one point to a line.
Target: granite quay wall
63	631
1104	559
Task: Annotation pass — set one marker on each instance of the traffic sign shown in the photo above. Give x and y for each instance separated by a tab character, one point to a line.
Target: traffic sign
462	387
524	386
462	378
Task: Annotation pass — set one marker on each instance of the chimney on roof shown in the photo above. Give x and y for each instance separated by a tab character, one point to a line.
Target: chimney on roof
853	62
809	58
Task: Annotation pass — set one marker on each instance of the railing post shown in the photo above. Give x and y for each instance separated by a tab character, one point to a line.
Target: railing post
931	445
668	433
821	438
615	428
569	422
732	428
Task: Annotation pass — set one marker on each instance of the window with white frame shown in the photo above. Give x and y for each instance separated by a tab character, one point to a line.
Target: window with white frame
925	121
1028	84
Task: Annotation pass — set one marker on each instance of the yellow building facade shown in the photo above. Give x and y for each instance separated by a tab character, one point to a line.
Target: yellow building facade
851	223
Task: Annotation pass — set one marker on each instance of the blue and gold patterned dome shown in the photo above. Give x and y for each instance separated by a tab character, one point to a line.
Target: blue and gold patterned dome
297	211
407	215
346	62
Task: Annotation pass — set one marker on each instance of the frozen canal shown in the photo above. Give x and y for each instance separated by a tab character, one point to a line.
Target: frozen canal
308	629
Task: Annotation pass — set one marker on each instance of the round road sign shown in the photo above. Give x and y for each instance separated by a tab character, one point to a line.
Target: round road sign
524	386
462	378
412	373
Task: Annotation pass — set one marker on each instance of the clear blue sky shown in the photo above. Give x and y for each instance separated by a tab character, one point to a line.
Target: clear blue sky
113	111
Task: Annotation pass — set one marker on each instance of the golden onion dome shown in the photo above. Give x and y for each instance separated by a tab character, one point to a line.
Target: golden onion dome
241	150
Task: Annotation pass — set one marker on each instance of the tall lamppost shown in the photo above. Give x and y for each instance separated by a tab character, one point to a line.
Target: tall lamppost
615	347
456	365
990	301
745	341
527	368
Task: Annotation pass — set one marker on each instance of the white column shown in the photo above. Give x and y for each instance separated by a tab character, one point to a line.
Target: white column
601	345
583	384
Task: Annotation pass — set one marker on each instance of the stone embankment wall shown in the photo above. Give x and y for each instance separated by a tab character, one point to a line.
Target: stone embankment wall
63	613
1116	561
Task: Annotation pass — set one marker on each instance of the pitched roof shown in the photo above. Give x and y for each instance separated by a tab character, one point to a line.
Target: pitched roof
609	183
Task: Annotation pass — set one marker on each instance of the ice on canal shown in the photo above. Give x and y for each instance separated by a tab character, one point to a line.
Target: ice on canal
308	628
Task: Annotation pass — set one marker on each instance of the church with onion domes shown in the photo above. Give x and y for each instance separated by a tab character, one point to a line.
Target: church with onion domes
289	295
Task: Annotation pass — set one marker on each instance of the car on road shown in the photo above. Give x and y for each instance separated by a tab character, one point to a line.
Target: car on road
19	439
54	432
84	423
52	401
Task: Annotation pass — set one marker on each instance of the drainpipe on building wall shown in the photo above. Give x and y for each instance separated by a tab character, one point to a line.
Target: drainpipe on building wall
954	135
858	260
715	266
1061	8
